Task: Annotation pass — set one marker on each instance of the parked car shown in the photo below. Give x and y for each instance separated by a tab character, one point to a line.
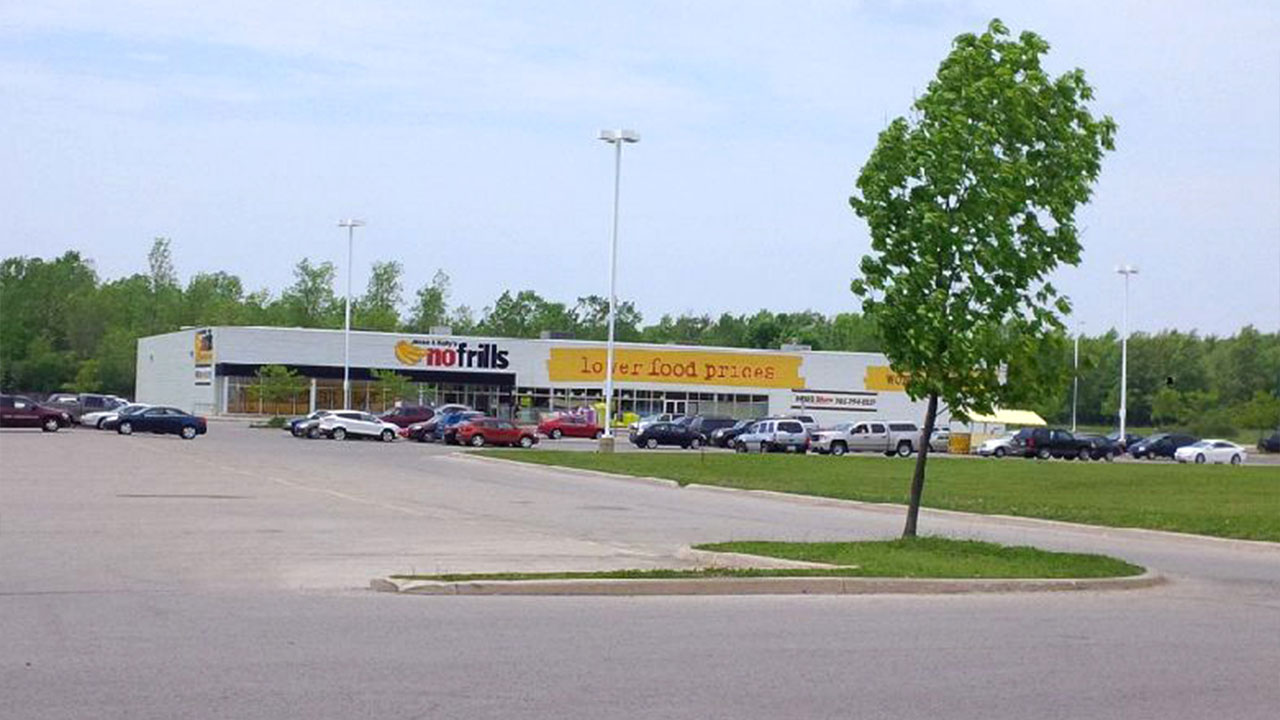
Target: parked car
446	429
406	415
102	417
341	424
569	426
1211	451
940	441
810	424
307	425
112	422
774	435
724	437
880	436
1160	445
654	434
1271	443
162	420
996	447
1102	447
479	432
650	419
22	411
1044	443
76	405
1129	440
705	425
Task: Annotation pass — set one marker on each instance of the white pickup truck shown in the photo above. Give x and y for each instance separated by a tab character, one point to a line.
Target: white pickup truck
881	436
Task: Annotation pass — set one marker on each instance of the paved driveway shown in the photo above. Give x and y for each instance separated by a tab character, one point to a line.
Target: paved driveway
151	577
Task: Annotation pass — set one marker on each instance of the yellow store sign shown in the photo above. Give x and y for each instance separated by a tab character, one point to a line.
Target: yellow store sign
884	379
679	367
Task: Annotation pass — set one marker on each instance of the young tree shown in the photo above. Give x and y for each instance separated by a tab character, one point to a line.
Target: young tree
379	309
310	301
971	204
431	307
394	386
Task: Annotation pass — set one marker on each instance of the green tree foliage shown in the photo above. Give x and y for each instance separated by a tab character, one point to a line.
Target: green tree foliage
971	205
431	304
379	307
394	386
277	384
310	301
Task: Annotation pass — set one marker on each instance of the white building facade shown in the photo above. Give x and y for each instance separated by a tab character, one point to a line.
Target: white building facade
214	371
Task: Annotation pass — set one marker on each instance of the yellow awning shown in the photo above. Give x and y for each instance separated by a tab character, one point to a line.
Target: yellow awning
1008	417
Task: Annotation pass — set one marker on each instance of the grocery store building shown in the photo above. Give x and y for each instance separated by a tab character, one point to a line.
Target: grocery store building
214	371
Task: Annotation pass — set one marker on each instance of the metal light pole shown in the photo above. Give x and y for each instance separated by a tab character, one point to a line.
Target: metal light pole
616	138
350	224
1126	271
1075	389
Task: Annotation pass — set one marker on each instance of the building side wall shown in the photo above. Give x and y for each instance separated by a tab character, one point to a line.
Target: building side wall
166	373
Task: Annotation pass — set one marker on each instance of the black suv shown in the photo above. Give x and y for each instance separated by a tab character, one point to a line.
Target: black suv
705	425
1160	445
1045	443
1271	443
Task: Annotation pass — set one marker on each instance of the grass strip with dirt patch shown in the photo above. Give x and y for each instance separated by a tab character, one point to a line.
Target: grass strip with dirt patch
1218	500
924	557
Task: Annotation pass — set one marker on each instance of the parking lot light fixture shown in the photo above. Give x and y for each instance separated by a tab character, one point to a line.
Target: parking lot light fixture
617	138
1126	271
350	224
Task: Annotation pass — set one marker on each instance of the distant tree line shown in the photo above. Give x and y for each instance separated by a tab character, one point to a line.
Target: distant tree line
64	328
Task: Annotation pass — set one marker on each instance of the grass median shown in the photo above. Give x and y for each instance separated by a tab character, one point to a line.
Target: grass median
1217	500
925	557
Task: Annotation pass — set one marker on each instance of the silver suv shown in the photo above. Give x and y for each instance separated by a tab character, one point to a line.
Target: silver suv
774	435
880	436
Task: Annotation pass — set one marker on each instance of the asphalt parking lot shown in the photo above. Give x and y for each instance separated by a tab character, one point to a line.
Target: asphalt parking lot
152	577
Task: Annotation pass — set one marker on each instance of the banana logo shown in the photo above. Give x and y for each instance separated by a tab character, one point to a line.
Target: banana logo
409	354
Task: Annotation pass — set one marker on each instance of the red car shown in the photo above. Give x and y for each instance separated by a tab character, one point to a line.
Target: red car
19	411
489	431
569	426
407	415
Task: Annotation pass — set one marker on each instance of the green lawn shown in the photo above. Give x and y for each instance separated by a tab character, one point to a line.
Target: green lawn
1215	500
925	557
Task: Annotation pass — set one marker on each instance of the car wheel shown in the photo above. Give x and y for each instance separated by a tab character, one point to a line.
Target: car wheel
313	433
999	452
339	433
1111	456
695	443
838	449
477	440
599	434
765	446
125	428
100	421
651	443
526	442
904	448
1200	458
556	433
1043	453
1083	454
740	447
50	425
188	432
1236	460
388	435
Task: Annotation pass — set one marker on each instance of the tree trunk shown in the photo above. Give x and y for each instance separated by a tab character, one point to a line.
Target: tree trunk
922	456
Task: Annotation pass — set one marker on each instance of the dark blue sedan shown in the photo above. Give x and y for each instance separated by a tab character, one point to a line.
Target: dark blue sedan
163	421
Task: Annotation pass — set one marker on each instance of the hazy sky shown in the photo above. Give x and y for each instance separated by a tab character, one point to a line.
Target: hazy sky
465	134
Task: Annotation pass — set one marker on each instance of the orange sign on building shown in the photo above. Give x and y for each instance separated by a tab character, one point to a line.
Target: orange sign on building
679	367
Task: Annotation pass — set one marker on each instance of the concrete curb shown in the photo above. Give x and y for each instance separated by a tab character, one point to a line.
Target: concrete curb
896	509
759	586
